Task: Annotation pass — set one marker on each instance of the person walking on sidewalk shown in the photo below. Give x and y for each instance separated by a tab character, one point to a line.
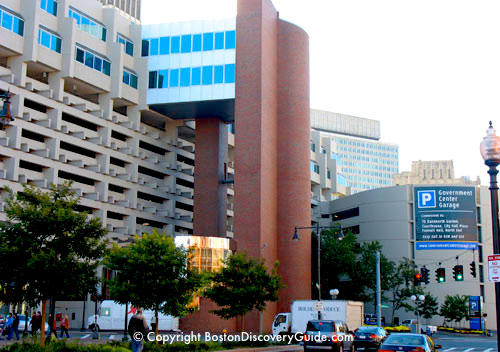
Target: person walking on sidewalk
64	325
138	329
14	328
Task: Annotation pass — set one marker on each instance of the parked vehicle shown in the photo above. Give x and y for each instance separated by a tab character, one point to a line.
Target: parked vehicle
303	311
412	324
111	316
334	334
368	338
409	343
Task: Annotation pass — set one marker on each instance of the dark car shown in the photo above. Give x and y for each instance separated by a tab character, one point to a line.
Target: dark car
368	338
328	334
408	343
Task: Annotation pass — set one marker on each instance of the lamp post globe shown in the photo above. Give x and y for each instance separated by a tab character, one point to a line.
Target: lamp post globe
413	297
490	147
334	292
421	298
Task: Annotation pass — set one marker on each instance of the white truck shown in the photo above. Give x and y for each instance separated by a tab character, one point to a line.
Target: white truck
425	329
302	311
111	316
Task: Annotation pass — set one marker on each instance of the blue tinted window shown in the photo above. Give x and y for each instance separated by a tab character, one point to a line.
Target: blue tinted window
230	39
174	78
133	81
163	79
185	77
229	74
129	48
50	6
98	63
153	46
80	55
126	77
197	42
219	40
186	44
106	68
43	4
196	76
45	39
208	41
103	34
152	79
85	24
164	45
77	18
207	75
18	26
218	74
7	21
56	44
89	59
175	44
145	47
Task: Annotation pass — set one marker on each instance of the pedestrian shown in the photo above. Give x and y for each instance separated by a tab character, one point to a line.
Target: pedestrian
33	323
39	321
14	328
8	325
137	329
64	325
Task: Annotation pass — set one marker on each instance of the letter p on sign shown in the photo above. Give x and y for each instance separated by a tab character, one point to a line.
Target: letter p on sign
426	199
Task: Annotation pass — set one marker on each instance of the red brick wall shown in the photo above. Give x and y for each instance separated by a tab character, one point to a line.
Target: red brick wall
294	189
256	134
210	197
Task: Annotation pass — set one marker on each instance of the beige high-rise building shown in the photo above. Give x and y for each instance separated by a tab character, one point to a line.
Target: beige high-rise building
130	7
432	172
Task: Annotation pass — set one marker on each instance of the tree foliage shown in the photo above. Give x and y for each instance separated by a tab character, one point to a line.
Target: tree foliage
154	274
455	308
350	267
48	249
400	291
429	308
243	284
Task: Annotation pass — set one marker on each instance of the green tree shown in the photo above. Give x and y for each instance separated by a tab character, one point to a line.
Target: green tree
350	267
400	290
243	284
455	308
48	249
154	274
429	308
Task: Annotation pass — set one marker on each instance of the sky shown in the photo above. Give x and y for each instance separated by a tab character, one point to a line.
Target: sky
428	70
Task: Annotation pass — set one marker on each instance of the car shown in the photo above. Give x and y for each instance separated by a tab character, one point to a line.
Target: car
22	322
323	334
368	338
408	343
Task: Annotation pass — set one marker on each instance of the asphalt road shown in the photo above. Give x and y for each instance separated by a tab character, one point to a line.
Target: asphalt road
453	343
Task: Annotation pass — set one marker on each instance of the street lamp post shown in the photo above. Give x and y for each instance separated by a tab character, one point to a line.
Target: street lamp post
490	151
418	300
334	293
318	232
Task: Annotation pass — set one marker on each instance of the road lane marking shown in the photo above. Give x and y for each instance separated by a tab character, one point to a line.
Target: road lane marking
488	350
449	349
84	336
469	349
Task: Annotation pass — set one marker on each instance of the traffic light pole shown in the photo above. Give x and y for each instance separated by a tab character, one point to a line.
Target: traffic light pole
379	293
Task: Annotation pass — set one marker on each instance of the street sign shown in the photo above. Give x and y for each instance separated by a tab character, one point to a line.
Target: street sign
494	268
318	305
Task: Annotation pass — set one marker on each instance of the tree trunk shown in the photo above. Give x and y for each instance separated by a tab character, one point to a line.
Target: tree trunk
156	325
44	311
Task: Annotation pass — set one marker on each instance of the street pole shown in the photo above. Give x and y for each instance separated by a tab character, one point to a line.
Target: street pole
493	172
83	315
319	266
379	293
125	337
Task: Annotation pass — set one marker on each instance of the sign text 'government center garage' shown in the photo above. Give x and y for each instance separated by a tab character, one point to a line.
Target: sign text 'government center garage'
445	217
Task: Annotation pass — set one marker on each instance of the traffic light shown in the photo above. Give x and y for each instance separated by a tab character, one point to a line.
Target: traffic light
425	275
417	279
440	275
458	272
473	269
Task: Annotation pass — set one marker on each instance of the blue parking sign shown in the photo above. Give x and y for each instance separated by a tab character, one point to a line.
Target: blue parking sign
427	199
